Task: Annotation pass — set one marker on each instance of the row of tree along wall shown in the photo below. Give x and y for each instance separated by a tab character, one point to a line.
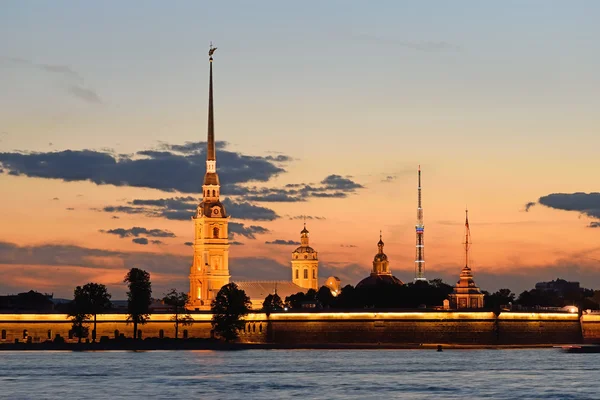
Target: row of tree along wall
323	328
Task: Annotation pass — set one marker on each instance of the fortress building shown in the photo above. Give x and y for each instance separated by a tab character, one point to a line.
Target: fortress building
466	294
210	267
381	273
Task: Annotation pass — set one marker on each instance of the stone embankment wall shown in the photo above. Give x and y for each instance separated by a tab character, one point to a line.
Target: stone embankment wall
322	328
590	327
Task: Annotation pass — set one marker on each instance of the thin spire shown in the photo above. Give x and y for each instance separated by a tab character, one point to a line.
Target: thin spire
467	242
211	154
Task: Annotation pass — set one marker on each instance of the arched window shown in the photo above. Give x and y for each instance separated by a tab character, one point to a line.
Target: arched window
297	274
3	334
253	327
214	193
25	333
260	328
305	273
161	334
216	232
199	293
116	333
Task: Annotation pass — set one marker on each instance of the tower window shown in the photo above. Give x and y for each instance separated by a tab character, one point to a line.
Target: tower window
216	232
214	193
305	274
297	274
314	274
3	334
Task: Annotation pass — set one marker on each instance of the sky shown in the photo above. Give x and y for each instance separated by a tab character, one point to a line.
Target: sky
324	111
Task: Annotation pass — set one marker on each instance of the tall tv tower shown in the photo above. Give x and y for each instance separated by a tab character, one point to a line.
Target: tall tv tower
420	228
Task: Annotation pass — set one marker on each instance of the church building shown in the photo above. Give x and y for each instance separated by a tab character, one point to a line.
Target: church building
210	267
380	274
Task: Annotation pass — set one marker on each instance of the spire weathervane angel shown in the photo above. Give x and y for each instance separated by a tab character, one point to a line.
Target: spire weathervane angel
211	51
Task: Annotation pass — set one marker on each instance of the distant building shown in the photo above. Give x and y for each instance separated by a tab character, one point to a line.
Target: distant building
381	273
27	302
559	286
466	294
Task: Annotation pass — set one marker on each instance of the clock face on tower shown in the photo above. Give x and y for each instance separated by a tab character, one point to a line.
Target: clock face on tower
216	212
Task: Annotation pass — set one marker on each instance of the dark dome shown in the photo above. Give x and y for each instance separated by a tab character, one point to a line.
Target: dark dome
376	280
304	249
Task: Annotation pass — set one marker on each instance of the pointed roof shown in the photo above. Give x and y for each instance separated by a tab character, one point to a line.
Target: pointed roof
211	153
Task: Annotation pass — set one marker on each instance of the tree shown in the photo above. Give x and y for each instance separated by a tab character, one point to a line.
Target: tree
92	299
88	301
272	303
178	301
228	308
78	328
138	297
498	299
325	297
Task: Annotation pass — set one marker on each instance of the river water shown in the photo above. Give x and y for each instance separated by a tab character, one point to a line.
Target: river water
303	374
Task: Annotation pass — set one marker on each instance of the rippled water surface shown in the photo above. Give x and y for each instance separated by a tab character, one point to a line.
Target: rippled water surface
306	374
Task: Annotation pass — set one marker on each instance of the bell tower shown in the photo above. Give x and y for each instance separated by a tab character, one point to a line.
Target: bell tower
210	267
305	264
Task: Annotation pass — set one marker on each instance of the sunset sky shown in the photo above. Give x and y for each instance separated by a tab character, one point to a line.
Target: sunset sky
324	109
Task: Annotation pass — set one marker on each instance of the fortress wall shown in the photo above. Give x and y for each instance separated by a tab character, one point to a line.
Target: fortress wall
41	327
590	326
538	328
385	328
479	328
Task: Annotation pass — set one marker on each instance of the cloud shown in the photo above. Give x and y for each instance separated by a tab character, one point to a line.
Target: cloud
189	243
348	245
303	217
250	232
168	170
585	203
529	205
75	82
137	231
142	240
333	186
85	94
389	179
183	208
336	182
60	267
284	242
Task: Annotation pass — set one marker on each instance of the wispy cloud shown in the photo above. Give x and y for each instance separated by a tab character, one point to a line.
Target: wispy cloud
74	81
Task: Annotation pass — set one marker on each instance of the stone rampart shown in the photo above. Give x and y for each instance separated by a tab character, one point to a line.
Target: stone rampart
323	328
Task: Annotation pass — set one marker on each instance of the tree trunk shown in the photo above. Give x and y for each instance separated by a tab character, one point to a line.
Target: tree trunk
94	331
135	328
